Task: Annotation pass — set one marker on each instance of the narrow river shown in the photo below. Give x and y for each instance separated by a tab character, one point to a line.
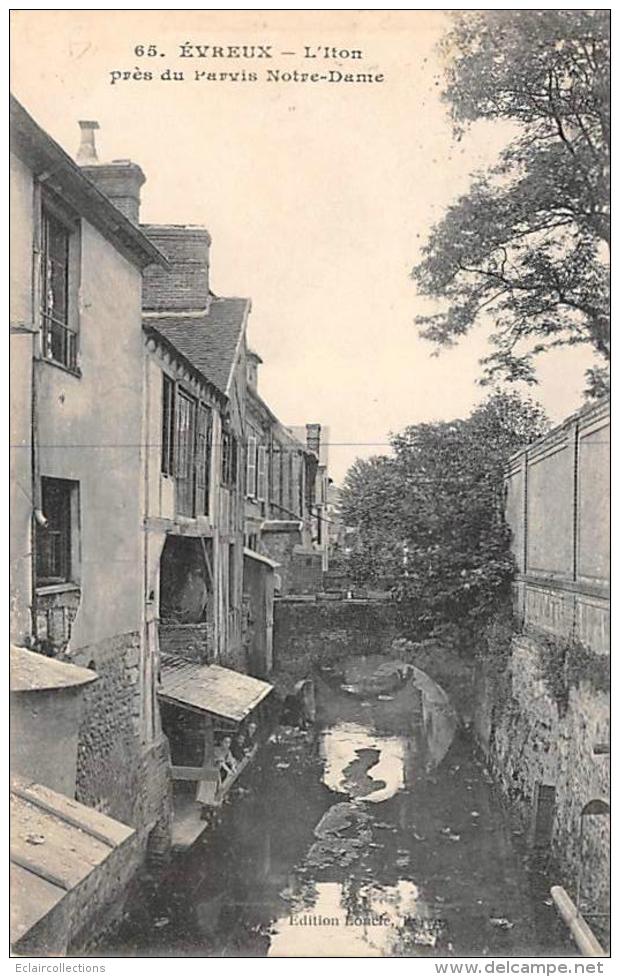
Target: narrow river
375	834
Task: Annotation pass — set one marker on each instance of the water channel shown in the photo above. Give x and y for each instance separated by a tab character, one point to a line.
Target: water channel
376	833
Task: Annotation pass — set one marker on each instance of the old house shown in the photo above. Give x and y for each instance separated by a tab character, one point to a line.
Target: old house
316	439
195	410
280	507
77	549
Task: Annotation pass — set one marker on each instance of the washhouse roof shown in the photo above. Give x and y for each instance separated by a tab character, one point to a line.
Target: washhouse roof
211	689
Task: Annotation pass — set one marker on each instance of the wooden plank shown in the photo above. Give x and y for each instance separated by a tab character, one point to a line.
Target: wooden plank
193	773
205	553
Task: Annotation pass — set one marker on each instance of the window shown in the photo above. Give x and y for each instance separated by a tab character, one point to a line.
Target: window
53	542
230	454
290	502
185	452
275	476
251	467
167	427
59	324
232	577
301	486
261	473
203	459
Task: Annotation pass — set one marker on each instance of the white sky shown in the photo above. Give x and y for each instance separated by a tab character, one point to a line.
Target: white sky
318	197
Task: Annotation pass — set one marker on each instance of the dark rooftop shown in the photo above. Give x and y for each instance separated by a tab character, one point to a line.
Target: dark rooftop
210	340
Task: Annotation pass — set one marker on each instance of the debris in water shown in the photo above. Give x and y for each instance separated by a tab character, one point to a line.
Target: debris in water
501	922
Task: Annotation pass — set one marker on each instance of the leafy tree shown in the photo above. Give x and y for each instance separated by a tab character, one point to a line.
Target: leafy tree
370	500
526	249
430	518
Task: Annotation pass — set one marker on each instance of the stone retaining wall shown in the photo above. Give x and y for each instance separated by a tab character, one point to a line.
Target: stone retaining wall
532	742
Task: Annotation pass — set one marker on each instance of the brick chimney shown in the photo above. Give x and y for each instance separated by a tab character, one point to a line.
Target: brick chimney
120	180
184	286
313	438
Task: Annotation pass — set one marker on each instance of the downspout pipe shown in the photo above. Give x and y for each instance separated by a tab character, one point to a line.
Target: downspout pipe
581	933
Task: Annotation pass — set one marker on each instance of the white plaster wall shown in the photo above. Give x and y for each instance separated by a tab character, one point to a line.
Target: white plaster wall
90	430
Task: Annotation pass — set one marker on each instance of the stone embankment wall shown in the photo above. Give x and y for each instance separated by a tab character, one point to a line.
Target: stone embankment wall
543	719
118	772
549	756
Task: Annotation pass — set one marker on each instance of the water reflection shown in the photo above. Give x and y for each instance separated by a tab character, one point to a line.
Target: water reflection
361	763
343	919
375	834
373	747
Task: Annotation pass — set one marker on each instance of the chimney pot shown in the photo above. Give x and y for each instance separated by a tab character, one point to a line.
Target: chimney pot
87	151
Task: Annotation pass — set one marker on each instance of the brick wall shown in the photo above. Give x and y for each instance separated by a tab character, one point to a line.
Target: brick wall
185	285
117	772
56	612
279	547
193	641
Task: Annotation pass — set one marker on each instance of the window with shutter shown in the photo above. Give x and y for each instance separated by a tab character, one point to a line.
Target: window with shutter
203	459
185	453
251	467
261	477
167	426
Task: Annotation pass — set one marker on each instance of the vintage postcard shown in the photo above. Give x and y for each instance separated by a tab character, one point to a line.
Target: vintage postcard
310	343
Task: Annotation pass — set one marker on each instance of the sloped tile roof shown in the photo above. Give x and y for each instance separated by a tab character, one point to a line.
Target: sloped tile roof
210	688
208	341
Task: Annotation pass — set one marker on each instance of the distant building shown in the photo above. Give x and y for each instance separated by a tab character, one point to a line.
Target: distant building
281	472
316	438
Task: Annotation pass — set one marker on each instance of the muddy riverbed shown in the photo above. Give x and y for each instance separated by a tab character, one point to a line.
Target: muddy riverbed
376	833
